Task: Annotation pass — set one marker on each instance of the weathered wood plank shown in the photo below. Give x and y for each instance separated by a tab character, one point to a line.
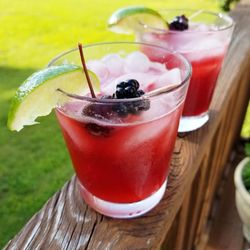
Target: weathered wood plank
218	163
199	186
183	222
66	222
226	231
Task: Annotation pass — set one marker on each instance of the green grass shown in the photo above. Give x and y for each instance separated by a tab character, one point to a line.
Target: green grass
245	132
34	163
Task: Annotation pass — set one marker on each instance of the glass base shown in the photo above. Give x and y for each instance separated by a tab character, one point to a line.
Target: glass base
122	210
190	123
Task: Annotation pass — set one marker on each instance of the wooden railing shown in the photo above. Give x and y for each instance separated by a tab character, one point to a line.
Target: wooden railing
181	220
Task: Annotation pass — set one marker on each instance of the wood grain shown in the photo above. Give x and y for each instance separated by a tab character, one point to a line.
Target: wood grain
66	222
226	227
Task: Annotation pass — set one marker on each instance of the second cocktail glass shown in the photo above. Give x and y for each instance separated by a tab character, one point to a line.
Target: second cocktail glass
204	44
121	148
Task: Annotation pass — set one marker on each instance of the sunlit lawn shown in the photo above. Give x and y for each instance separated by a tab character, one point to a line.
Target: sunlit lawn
34	163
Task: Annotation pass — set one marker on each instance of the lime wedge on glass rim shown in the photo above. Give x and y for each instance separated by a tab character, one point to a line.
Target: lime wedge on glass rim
38	95
135	18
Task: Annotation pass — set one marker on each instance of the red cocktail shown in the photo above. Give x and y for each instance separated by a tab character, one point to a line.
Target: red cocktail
204	44
121	163
121	148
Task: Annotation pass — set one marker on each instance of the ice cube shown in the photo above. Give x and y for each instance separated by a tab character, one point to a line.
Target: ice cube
99	68
196	27
172	76
114	63
206	46
158	108
137	62
208	43
144	80
156	67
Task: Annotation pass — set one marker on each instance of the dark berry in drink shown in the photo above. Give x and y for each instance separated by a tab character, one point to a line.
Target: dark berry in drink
126	90
179	23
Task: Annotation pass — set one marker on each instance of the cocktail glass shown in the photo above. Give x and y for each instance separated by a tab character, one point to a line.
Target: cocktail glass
204	44
122	163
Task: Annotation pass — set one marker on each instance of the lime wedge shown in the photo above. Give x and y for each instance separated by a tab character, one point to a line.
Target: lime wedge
37	96
134	18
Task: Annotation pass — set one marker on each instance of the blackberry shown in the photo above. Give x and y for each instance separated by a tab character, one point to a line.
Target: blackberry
121	85
144	105
126	90
129	83
179	23
99	111
120	109
140	92
120	93
130	92
133	83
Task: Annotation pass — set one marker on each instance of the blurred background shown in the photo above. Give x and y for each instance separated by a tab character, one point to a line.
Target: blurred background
34	163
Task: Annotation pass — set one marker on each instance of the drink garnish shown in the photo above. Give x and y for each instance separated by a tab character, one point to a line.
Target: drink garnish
124	90
135	18
179	23
113	111
86	71
130	89
38	94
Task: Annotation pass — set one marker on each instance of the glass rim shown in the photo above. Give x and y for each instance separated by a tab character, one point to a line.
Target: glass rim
220	15
155	93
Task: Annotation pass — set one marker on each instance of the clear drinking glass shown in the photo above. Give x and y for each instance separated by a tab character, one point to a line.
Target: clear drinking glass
204	44
122	163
